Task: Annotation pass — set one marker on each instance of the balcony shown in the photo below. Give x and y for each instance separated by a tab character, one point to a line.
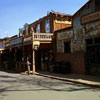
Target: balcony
91	17
42	37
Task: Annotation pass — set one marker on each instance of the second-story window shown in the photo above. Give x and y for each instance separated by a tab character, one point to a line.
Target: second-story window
32	29
20	32
26	28
47	26
38	28
97	5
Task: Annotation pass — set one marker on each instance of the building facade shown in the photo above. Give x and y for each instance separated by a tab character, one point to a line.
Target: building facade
74	39
86	28
42	31
64	51
18	48
80	45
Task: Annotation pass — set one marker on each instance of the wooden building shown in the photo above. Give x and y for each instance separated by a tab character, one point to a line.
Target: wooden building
80	44
18	48
86	28
2	46
4	55
42	31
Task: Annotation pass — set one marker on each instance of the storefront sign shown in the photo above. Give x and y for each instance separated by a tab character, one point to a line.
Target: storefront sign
92	29
36	42
16	41
91	17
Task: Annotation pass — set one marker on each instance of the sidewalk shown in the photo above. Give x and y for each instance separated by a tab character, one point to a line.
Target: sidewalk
89	80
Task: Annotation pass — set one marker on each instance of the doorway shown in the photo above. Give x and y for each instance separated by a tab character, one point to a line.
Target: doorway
93	56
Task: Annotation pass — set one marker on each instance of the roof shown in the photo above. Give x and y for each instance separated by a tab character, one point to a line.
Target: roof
60	13
81	8
50	13
64	29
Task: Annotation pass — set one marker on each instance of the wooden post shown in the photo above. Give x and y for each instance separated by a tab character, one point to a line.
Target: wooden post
33	61
22	65
33	53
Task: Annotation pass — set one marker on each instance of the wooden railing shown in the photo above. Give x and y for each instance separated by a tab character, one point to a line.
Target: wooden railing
42	36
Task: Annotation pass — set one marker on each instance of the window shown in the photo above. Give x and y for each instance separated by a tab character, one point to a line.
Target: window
67	47
38	28
32	29
20	31
97	40
26	28
47	26
89	41
97	5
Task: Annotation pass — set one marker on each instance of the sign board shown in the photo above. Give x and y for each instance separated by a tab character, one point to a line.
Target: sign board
16	41
91	17
36	43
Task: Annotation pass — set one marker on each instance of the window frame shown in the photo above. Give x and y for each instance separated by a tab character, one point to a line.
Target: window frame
38	28
47	25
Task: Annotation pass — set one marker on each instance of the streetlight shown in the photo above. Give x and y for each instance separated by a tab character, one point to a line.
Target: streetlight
35	46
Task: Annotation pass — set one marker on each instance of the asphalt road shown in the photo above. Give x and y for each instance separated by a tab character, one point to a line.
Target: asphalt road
23	87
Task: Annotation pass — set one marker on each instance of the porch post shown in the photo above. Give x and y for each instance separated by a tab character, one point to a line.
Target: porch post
33	53
33	61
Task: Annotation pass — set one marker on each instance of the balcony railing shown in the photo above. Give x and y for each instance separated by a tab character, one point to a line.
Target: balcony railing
42	36
91	17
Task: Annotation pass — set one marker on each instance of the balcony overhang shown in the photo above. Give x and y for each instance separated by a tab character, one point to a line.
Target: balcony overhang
90	17
41	37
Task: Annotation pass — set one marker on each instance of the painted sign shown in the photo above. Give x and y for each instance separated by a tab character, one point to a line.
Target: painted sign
91	17
92	29
16	41
36	42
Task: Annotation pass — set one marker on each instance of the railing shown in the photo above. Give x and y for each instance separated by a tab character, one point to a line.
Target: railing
42	36
91	17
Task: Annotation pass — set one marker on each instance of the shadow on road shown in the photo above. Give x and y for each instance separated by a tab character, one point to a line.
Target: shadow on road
38	83
6	76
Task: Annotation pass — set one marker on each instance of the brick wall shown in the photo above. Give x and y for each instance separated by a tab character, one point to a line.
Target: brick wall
76	59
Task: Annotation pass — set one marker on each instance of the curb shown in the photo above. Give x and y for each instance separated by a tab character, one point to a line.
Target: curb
69	80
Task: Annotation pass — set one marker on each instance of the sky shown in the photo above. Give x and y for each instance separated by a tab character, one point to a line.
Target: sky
15	13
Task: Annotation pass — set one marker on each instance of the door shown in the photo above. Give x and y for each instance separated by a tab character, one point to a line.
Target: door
93	60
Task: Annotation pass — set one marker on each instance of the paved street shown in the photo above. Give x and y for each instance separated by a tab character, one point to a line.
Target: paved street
23	87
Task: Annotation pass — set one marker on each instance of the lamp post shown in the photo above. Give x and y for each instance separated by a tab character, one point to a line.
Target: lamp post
33	62
35	46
